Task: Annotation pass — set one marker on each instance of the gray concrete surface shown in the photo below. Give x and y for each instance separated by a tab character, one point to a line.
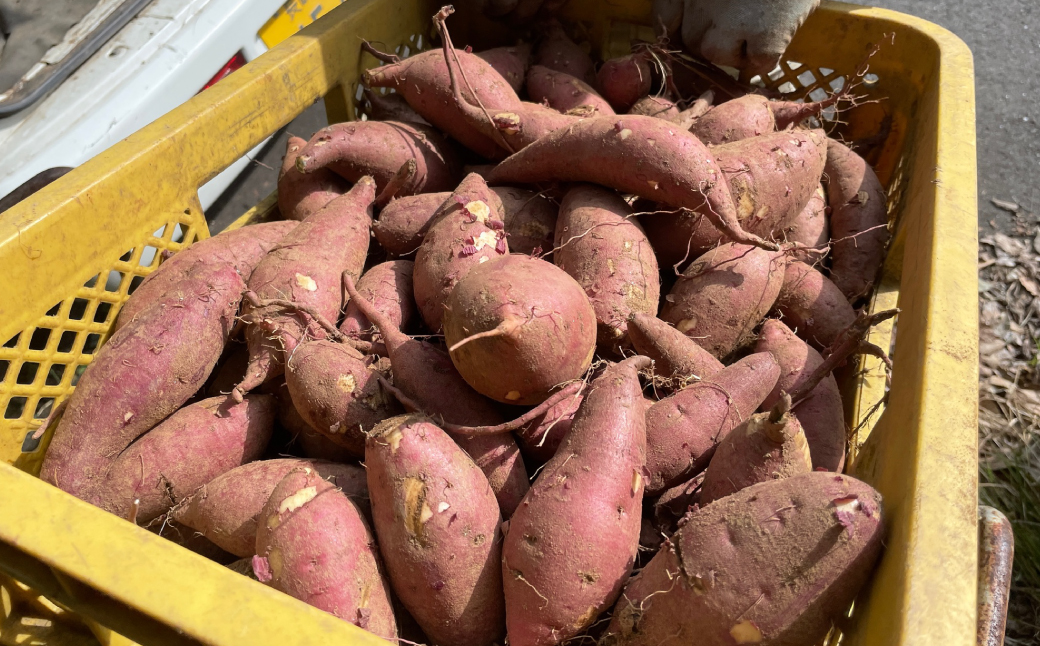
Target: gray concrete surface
1004	36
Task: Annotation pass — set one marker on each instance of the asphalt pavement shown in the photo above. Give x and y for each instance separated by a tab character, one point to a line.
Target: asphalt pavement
1004	37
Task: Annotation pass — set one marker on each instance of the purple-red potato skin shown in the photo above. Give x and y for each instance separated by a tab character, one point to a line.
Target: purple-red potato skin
313	544
656	106
551	333
595	480
675	355
301	194
378	149
723	295
392	107
821	414
388	286
426	374
437	522
306	268
558	52
337	393
242	249
226	509
604	249
736	119
813	306
775	563
229	371
423	81
810	226
859	219
616	151
145	372
540	437
530	219
510	62
674	503
623	81
403	223
191	447
682	430
759	450
771	178
466	230
563	92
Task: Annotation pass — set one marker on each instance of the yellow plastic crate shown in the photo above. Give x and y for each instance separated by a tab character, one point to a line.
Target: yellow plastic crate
59	249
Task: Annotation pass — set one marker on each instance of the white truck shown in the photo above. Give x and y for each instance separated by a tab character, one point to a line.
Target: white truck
148	57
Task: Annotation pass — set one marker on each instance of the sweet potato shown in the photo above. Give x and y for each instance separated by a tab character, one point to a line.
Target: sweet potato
392	107
424	82
540	437
145	372
810	226
602	246
226	509
633	154
403	223
723	295
682	430
517	327
558	52
624	80
301	194
813	306
752	115
859	219
674	503
467	230
775	563
240	248
698	108
438	527
388	286
425	373
771	178
656	106
337	393
736	119
228	371
530	220
378	149
820	414
595	480
305	268
563	92
191	447
511	129
313	544
510	62
769	446
675	355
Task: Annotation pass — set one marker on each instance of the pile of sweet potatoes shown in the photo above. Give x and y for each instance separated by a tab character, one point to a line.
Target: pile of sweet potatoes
543	350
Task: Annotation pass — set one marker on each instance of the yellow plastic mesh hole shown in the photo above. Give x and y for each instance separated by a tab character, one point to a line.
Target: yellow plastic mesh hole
41	365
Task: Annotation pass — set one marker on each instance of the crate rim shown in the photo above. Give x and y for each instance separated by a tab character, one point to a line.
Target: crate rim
61	532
